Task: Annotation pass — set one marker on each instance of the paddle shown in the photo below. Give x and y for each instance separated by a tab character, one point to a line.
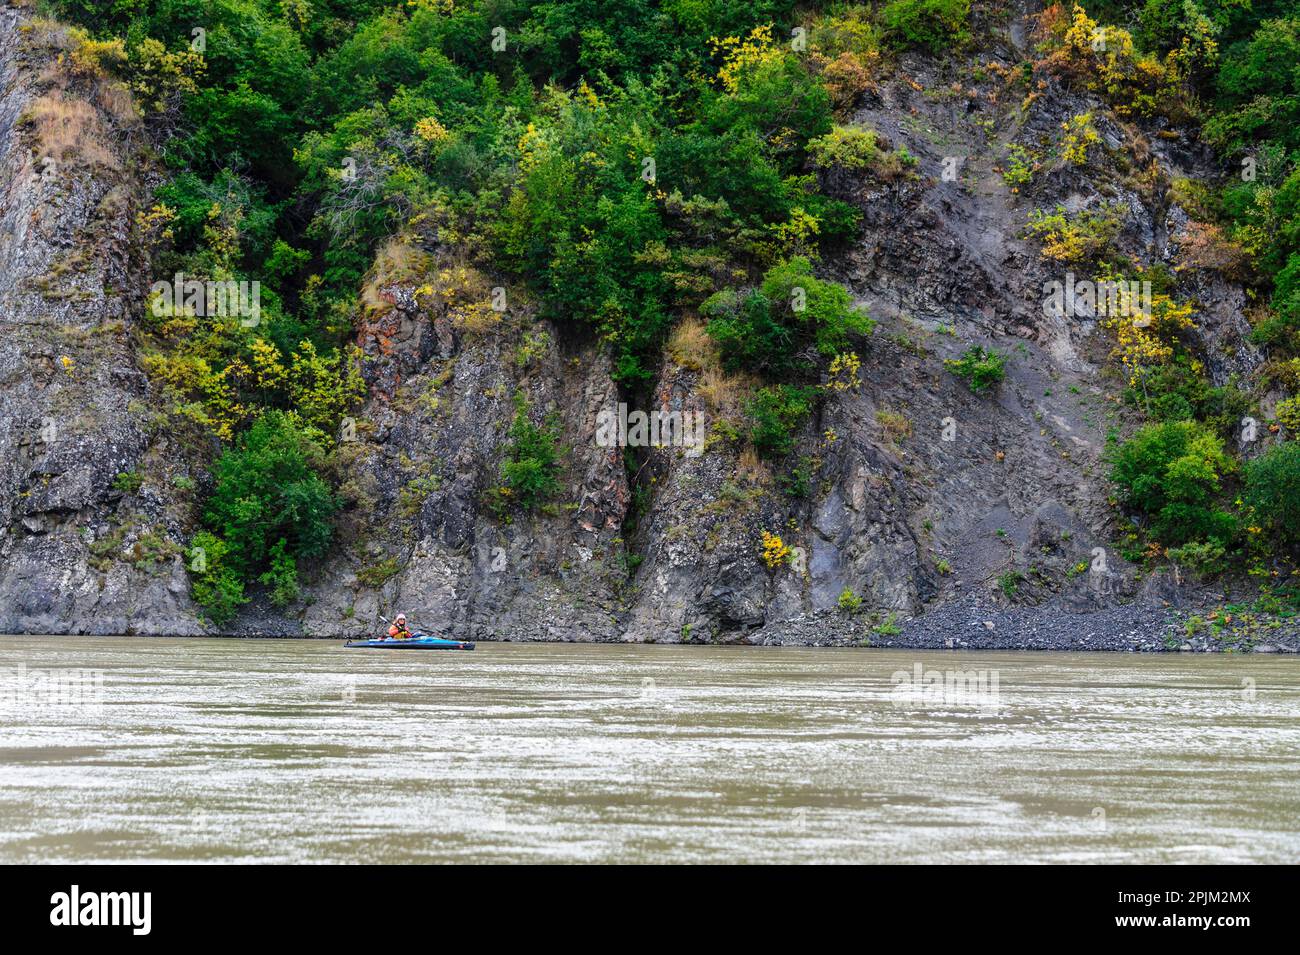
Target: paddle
422	628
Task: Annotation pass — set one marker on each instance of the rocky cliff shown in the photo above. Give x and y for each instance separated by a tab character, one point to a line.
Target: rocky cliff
76	409
956	519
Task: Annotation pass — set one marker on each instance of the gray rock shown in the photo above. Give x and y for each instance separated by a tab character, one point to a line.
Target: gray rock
958	520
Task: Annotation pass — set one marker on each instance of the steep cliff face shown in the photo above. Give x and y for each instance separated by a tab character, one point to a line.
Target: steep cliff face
925	495
921	498
917	494
74	556
419	531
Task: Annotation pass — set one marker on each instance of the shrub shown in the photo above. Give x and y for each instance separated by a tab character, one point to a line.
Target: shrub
798	483
1018	170
766	330
1173	472
842	374
848	147
411	498
896	425
530	471
980	367
847	38
849	602
746	333
1203	245
847	77
94	59
128	482
858	149
159	78
1077	135
936	24
1273	490
1144	340
379	573
772	550
776	413
214	584
1288	413
1078	239
888	627
1202	557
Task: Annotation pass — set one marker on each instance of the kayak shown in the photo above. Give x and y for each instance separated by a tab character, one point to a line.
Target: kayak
415	643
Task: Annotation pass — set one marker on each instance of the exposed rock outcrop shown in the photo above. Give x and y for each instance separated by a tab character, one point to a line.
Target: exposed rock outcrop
915	495
74	557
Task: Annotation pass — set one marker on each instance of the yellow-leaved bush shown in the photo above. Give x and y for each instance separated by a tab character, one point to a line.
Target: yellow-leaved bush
1105	59
220	375
740	55
772	550
1146	338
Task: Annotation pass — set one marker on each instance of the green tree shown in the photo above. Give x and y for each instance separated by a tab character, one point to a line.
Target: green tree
1173	472
214	584
531	467
1273	490
268	495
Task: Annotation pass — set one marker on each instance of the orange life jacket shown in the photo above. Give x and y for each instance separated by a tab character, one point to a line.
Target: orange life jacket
399	633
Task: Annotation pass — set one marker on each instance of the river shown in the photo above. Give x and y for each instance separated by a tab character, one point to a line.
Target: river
203	750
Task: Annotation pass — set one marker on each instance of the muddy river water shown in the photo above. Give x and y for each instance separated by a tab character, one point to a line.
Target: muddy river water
192	750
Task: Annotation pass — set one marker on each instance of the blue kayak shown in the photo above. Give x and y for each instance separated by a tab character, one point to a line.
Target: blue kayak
415	643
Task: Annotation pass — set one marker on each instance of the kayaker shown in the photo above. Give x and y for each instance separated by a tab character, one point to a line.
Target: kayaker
398	630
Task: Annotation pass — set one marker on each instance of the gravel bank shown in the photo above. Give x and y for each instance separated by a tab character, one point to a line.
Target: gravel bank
975	622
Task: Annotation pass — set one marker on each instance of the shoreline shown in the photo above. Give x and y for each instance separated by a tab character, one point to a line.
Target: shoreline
1157	619
968	624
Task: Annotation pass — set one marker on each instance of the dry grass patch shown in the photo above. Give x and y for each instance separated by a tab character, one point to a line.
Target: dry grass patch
69	130
83	110
397	261
117	103
895	424
724	394
752	468
42	33
692	347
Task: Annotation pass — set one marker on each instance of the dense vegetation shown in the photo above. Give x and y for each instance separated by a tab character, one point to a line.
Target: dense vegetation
1232	68
631	162
270	508
627	160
